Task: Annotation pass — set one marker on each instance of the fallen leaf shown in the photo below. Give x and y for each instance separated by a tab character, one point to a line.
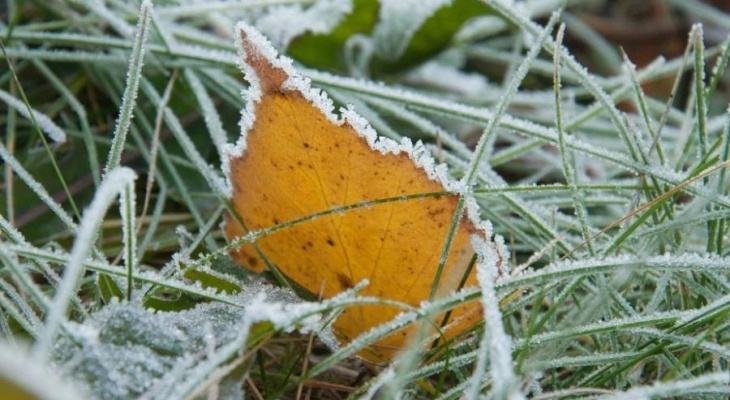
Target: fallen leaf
296	158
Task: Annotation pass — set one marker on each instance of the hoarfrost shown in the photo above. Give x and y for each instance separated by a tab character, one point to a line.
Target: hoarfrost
44	123
283	24
399	20
707	383
449	78
116	181
132	351
496	344
472	212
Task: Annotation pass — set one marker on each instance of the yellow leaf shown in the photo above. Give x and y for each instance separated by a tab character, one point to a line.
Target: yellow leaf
299	160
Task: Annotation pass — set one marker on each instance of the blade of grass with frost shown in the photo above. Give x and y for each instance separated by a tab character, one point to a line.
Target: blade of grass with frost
9	307
5	329
651	71
19	301
565	269
116	182
37	188
45	124
129	99
643	109
578	201
718	70
700	95
210	114
129	234
10	232
724	155
496	345
708	384
144	277
473	167
10	140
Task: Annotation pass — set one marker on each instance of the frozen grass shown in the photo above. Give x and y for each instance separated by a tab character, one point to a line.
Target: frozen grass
616	222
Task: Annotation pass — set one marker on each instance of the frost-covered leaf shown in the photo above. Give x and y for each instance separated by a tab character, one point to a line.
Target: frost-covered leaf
283	24
410	32
400	33
212	279
127	351
170	302
325	50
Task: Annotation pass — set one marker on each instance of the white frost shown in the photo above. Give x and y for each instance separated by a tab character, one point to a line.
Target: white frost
46	124
449	78
496	344
283	24
398	21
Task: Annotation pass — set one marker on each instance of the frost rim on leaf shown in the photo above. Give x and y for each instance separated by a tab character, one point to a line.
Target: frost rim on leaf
295	81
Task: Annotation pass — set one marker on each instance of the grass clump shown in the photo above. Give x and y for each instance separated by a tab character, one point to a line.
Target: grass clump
606	179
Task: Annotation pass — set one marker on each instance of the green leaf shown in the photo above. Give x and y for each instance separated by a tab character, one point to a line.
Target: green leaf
211	279
181	303
434	35
108	288
325	51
